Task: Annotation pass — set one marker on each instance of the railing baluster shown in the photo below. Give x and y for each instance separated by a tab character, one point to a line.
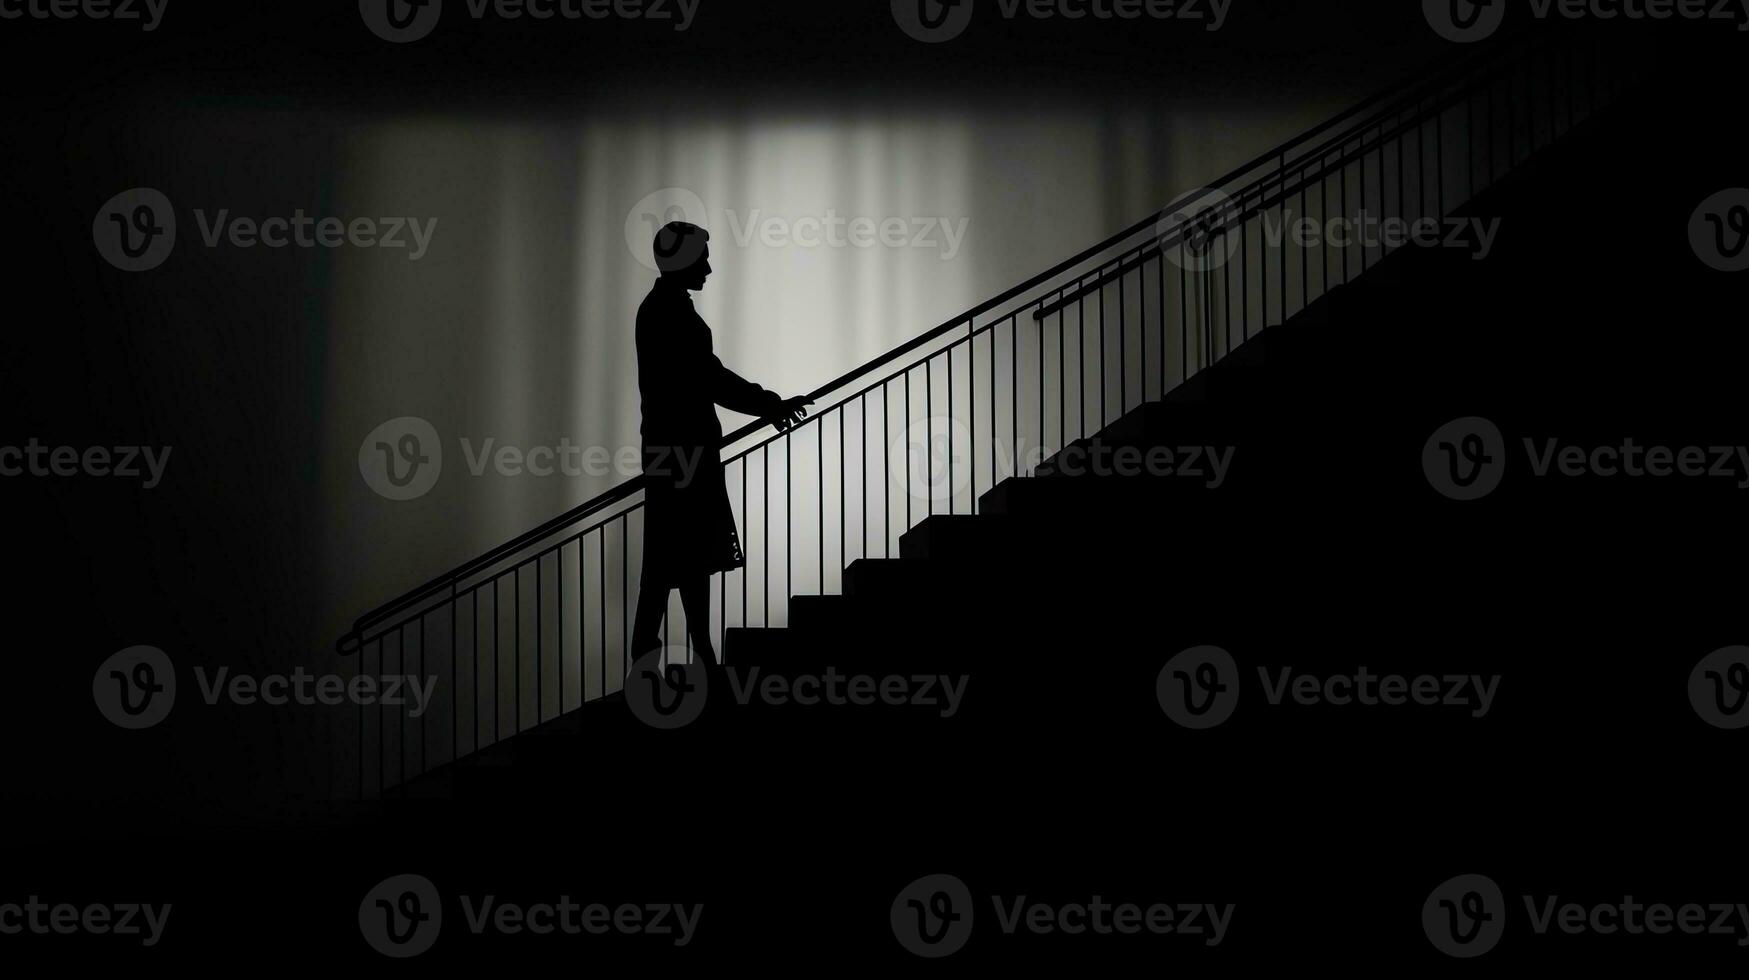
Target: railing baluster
929	434
1081	359
952	493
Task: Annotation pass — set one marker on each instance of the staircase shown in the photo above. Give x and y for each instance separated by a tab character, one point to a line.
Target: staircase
1042	584
1062	600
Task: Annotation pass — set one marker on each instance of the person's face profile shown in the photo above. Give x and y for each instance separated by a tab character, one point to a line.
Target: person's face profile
695	276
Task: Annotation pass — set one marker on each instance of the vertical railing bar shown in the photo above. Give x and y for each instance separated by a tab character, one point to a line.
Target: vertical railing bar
1014	386
1342	175
843	515
929	433
1123	346
1244	281
559	601
1062	378
455	713
972	408
583	625
746	559
765	533
1183	315
1041	376
907	451
474	670
820	495
540	651
1287	236
516	627
1081	353
1103	400
862	468
601	558
625	595
1142	333
952	494
995	476
789	523
1160	295
401	723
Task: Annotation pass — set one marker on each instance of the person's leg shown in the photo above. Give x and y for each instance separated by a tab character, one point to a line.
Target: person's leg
652	606
695	598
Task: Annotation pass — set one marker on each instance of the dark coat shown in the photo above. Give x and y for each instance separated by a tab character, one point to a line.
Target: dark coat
689	527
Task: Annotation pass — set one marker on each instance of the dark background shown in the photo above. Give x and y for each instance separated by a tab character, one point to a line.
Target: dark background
222	359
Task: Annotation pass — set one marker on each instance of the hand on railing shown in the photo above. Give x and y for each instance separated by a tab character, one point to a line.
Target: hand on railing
791	413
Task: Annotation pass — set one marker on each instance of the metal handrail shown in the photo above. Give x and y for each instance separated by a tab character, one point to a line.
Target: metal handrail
1386	103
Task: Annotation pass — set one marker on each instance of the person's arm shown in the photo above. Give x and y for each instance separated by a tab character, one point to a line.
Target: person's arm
737	394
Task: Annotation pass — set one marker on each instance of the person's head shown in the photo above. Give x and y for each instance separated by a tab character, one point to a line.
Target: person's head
683	254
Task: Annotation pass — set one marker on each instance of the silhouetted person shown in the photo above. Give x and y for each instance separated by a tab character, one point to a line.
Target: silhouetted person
689	529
